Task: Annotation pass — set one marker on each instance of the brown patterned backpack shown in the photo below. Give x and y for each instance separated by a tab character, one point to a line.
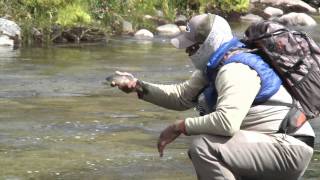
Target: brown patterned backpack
294	56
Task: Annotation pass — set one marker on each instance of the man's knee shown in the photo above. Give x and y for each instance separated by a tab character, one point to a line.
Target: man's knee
205	155
196	148
204	146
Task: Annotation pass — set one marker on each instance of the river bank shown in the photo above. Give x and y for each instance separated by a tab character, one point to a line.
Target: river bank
59	21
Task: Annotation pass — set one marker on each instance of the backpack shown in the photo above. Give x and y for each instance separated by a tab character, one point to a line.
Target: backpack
294	56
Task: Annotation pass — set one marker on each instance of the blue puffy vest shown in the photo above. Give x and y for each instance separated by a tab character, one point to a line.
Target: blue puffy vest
270	81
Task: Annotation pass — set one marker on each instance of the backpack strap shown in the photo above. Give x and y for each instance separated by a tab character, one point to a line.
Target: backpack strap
268	35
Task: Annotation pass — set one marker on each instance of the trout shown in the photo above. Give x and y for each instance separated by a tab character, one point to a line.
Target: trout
117	79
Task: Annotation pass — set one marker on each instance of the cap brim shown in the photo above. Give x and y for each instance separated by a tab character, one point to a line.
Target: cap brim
181	42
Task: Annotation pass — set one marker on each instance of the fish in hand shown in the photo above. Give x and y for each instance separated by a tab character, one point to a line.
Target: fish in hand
118	79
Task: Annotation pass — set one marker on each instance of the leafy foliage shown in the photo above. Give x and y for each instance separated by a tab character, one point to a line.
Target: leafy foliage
227	5
73	14
44	14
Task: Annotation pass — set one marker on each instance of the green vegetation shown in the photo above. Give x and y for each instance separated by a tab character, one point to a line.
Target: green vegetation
106	14
227	5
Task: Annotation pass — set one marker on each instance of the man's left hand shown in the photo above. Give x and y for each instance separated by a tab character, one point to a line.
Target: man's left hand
168	135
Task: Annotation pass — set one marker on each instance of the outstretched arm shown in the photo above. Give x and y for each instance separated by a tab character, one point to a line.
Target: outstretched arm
176	96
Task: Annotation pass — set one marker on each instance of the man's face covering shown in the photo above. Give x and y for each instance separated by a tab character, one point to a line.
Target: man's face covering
203	36
219	34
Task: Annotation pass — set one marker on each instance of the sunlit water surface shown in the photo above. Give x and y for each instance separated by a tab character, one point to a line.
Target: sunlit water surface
59	121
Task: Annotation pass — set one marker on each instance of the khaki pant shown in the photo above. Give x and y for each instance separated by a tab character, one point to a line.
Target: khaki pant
249	155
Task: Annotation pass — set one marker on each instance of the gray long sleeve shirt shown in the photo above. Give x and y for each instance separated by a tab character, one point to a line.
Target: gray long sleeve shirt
237	86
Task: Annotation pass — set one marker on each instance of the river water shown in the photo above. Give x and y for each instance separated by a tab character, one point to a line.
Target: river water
59	121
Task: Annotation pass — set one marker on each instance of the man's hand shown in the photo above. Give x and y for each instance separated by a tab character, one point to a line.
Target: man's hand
169	134
126	82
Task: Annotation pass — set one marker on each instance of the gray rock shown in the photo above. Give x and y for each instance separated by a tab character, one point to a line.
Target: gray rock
37	35
147	16
251	18
271	11
11	30
127	27
297	19
6	41
157	20
168	30
296	3
143	34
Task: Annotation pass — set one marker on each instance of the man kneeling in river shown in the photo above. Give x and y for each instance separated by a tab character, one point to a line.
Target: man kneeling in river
238	136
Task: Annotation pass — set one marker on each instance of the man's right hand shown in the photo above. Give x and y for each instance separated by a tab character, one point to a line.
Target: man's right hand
128	82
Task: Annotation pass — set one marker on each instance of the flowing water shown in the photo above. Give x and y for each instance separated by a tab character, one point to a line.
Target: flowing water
59	121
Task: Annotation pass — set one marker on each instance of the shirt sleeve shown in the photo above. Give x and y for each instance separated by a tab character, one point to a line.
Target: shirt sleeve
237	86
177	96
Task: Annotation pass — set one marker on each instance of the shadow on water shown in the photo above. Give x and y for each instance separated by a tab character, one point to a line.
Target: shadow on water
58	120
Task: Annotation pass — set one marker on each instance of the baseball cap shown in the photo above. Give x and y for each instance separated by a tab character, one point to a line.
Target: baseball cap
197	31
